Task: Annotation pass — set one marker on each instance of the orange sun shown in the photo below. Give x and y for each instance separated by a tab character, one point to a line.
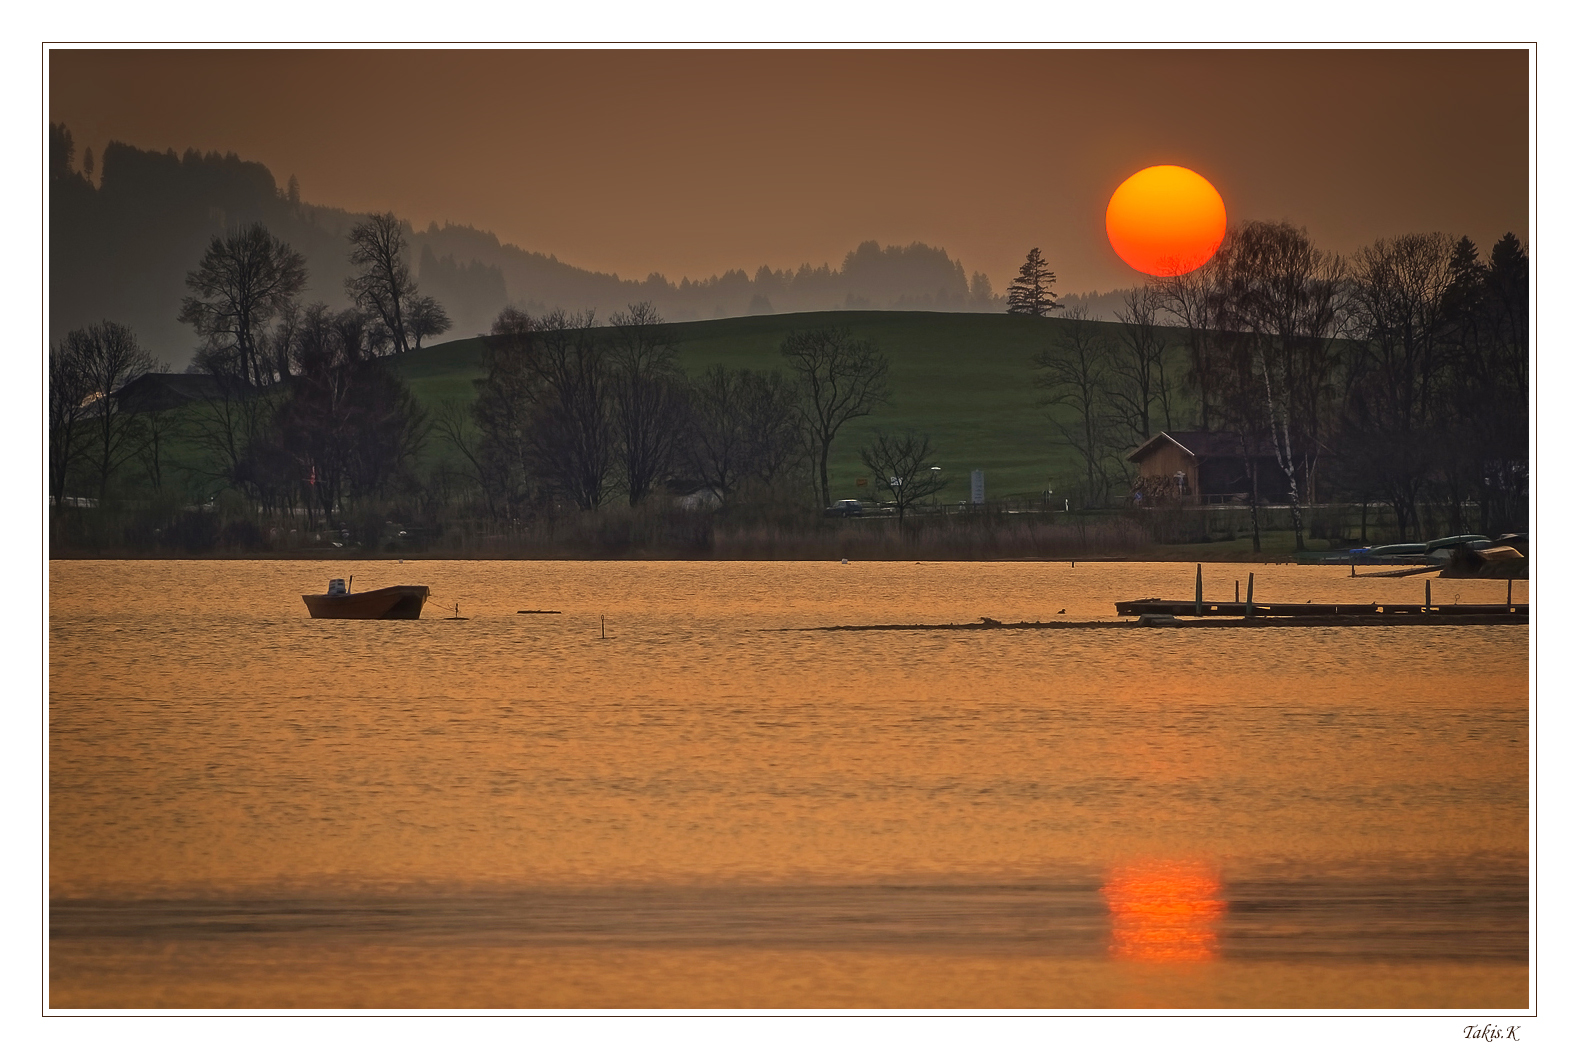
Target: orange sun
1166	220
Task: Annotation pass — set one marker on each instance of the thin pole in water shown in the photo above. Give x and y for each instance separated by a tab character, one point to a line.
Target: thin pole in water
1198	590
1250	587
1510	601
1237	590
600	628
1428	595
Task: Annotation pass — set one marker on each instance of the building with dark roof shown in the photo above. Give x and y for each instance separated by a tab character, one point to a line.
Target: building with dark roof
1205	467
156	391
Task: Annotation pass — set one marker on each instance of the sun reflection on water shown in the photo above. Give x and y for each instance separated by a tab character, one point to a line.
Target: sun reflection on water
1164	912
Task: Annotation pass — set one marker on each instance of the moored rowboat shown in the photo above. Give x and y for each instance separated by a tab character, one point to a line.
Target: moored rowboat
395	601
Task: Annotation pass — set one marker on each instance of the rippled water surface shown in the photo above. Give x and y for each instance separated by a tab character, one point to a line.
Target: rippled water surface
678	792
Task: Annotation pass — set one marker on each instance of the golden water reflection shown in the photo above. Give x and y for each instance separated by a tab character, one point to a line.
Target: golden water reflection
1164	912
248	806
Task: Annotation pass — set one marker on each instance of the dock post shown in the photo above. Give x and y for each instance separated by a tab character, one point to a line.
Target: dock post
1198	590
1250	587
1509	601
1428	608
1237	590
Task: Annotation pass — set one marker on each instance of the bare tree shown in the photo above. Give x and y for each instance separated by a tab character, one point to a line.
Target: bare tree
743	429
507	396
570	433
1189	299
1031	291
384	287
454	422
718	449
840	378
388	429
426	318
360	336
648	397
161	426
1075	370
69	395
1138	372
1240	403
282	340
1490	322
768	404
903	464
246	279
349	428
1403	341
1287	296
109	357
228	424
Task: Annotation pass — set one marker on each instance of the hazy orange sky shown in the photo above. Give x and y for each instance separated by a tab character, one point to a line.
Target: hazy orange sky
692	162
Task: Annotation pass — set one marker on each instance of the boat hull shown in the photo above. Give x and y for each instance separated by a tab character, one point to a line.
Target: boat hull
395	601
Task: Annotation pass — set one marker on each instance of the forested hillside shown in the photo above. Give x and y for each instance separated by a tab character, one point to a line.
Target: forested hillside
125	230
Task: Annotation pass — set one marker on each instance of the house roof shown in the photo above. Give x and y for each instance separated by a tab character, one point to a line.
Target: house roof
163	390
1200	444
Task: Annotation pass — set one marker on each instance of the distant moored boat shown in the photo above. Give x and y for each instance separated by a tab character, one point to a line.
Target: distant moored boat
395	601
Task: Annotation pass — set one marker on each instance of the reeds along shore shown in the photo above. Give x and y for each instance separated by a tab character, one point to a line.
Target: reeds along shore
758	531
644	534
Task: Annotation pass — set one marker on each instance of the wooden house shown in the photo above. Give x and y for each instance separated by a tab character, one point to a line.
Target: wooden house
1204	467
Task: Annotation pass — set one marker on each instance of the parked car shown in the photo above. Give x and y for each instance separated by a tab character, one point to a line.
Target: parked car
845	508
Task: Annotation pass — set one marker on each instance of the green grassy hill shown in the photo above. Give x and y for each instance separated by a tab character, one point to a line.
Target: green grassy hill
964	378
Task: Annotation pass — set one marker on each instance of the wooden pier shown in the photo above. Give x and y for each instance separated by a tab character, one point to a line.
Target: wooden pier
1154	611
1240	609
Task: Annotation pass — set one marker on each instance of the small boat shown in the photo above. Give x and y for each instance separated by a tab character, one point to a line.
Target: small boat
1411	548
1382	555
395	601
1475	541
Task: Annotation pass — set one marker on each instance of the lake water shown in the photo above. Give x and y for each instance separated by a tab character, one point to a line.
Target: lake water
711	805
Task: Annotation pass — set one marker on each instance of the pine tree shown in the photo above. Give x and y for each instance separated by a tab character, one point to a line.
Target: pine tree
1031	292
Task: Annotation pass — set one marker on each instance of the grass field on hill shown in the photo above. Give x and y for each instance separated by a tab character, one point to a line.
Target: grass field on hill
964	378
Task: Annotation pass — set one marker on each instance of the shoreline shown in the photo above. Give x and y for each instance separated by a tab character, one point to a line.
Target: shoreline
1164	554
1289	622
445	557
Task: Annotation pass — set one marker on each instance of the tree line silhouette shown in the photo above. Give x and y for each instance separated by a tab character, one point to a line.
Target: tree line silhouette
297	405
1398	375
296	408
125	230
568	411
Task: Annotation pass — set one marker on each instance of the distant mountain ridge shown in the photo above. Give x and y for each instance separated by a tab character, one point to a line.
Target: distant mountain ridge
121	249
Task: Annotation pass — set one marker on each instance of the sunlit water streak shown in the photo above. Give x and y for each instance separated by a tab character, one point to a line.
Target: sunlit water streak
240	794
